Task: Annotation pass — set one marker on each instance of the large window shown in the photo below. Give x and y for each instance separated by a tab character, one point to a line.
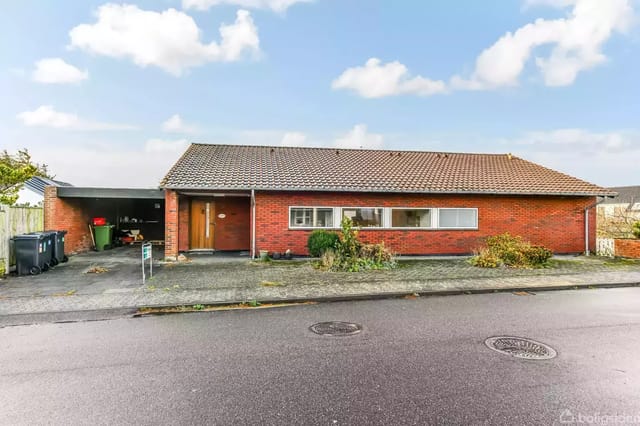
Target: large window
457	218
384	217
311	217
411	218
364	217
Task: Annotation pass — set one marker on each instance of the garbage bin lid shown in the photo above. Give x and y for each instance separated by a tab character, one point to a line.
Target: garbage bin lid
31	236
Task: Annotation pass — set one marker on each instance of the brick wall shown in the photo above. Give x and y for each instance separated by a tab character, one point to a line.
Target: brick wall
555	222
67	214
627	248
184	212
171	237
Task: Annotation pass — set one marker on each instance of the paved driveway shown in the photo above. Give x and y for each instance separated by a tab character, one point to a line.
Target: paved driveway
207	279
122	271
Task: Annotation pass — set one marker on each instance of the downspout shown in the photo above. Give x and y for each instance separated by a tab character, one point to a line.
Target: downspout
253	224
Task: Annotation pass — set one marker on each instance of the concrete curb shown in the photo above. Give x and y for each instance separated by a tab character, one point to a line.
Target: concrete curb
83	315
396	295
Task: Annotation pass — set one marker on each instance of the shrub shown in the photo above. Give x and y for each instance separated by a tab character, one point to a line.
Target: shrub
509	250
320	241
485	258
538	255
353	256
635	229
328	258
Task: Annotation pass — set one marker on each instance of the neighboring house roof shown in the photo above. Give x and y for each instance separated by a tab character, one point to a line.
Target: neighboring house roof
240	167
37	184
628	195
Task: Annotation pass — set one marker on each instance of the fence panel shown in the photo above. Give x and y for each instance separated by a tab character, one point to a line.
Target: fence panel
605	247
15	221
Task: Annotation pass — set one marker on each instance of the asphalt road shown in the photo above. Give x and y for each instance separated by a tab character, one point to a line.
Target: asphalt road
419	361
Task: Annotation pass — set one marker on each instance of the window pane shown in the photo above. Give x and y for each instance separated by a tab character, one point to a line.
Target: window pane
301	217
324	218
364	217
458	218
411	218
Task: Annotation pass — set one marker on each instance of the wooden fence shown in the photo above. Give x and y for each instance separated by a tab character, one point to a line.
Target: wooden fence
15	221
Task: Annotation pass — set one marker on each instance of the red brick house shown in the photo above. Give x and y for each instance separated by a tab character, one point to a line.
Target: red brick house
230	197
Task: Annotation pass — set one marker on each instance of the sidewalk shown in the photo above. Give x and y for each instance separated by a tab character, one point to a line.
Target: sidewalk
227	281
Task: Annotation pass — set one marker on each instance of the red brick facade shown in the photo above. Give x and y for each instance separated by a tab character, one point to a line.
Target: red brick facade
627	248
555	222
67	214
171	236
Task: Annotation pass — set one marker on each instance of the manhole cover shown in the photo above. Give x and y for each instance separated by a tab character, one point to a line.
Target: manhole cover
520	347
336	328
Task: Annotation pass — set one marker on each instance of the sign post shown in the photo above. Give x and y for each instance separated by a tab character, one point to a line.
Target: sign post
147	254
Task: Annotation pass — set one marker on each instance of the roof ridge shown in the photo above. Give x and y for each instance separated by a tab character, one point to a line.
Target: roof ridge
330	148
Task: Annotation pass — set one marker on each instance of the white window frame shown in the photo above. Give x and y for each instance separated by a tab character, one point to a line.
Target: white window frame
458	227
314	209
433	214
382	217
386	218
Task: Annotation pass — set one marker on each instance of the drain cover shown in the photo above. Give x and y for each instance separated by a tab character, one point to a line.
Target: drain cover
520	347
336	328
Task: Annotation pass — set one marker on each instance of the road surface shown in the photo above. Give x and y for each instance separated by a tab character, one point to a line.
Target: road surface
417	361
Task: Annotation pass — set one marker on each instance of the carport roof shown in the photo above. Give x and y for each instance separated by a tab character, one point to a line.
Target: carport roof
86	192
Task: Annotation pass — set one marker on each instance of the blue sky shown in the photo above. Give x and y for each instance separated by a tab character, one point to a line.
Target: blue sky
110	94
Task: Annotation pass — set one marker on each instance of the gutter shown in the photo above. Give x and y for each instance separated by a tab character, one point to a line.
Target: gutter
607	194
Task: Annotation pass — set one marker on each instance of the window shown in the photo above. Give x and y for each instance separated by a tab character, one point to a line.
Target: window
387	218
311	217
301	217
411	218
364	217
458	218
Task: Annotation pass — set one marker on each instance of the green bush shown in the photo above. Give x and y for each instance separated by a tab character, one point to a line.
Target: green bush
320	241
509	250
538	255
485	258
353	256
635	229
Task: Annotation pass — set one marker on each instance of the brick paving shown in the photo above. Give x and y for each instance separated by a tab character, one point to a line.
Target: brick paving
215	280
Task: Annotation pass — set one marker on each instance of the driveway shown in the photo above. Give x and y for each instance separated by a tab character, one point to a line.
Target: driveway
112	279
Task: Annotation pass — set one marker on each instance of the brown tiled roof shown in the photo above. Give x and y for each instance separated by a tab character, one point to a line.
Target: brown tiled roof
239	167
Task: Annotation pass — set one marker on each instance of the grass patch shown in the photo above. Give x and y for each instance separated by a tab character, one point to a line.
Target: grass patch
272	284
621	261
253	304
65	294
97	270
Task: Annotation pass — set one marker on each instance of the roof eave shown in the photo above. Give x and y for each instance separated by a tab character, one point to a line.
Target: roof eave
384	190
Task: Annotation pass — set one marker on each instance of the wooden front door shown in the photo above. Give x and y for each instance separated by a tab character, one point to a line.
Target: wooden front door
202	224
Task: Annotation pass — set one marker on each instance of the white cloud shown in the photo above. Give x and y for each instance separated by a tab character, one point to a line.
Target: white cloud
169	39
358	137
163	145
376	80
580	140
47	116
275	5
175	124
293	139
575	43
107	163
57	71
604	158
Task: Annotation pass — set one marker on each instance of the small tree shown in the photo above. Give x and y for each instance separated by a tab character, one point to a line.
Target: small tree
15	170
635	229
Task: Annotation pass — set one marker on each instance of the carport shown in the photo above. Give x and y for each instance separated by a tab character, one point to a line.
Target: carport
72	208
